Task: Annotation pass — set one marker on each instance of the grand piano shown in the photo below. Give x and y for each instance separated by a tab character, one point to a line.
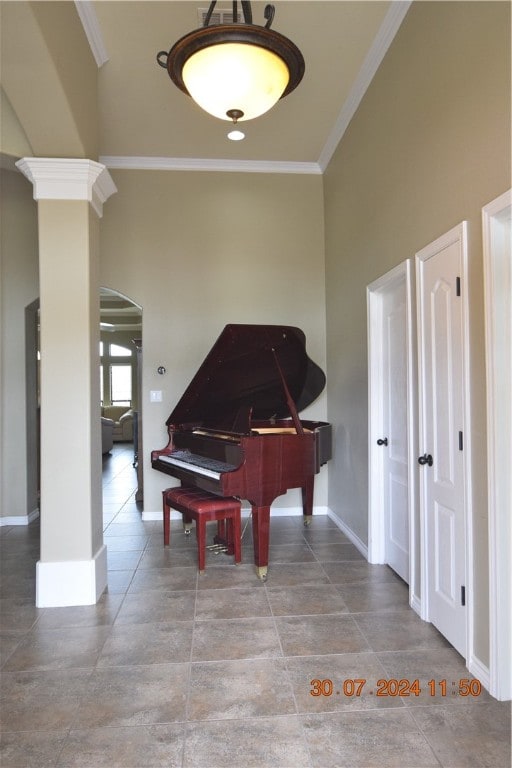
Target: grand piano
236	429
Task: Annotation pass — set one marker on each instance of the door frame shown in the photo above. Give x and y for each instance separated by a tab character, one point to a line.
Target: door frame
496	218
376	518
456	235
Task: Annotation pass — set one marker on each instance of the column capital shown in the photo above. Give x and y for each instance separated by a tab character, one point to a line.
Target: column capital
56	178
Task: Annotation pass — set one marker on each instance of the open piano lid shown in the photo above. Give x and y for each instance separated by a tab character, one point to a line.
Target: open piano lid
240	379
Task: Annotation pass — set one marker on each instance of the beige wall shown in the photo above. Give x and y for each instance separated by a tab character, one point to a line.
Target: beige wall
428	147
199	250
19	288
50	77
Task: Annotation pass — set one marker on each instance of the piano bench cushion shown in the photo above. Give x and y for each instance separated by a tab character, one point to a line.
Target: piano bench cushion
199	501
202	506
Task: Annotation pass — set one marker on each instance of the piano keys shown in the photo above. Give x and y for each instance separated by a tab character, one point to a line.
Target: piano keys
236	429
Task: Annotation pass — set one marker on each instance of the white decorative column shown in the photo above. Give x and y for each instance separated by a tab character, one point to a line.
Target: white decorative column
72	569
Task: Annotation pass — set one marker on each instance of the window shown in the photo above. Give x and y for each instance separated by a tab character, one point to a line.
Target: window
118	351
116	374
121	384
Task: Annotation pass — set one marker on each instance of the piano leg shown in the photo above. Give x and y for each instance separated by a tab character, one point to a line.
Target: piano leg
307	500
260	534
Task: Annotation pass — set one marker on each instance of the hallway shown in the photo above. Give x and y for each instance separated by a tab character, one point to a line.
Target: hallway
179	670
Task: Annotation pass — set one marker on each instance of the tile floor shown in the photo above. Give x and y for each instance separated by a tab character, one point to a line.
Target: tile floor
176	669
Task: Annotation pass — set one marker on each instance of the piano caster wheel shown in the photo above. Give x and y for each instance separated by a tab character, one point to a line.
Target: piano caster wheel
187	531
262	573
307	521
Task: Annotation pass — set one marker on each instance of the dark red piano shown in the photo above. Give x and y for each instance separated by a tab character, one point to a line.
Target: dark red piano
236	429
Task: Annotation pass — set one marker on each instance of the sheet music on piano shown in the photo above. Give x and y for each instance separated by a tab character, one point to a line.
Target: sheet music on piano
236	429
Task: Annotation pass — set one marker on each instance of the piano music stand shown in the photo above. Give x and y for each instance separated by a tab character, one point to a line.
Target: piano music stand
202	506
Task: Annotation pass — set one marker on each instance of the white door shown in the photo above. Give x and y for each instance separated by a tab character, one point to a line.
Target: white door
440	283
389	308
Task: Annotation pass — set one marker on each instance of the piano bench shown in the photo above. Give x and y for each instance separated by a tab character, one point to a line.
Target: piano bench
202	506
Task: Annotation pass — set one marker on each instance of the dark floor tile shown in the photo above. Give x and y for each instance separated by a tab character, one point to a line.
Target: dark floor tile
126	543
231	603
337	682
118	582
103	613
252	638
123	561
41	700
225	690
468	735
314	635
383	739
295	574
375	597
229	577
18	614
152	746
9	641
65	648
164	578
31	749
305	600
431	665
350	572
335	552
165	557
135	695
157	606
399	631
151	643
275	742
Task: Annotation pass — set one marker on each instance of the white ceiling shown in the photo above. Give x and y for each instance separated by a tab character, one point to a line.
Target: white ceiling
146	122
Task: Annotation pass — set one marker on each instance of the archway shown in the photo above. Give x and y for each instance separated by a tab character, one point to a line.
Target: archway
121	372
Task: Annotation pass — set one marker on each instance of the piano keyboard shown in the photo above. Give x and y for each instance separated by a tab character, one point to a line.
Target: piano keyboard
200	464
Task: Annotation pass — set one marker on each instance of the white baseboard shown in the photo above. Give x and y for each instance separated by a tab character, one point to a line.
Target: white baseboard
480	671
416	605
349	533
73	582
19	519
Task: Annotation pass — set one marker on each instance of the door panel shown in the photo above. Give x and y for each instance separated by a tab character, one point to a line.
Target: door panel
442	485
390	420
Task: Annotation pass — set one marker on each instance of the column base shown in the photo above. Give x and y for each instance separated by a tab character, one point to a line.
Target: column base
72	582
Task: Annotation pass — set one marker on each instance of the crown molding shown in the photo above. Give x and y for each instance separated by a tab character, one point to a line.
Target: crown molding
206	164
92	30
372	62
55	178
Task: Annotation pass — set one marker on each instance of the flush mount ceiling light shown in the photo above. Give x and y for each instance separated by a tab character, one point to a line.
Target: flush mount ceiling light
235	71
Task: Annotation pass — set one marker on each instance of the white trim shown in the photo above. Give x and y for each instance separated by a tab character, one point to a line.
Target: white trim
496	224
90	23
130	163
385	36
376	532
349	533
57	178
480	671
372	62
19	519
73	582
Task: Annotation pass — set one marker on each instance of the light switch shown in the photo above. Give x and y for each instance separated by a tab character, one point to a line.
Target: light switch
155	396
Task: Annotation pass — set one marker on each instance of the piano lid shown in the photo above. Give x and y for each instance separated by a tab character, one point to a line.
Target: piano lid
240	379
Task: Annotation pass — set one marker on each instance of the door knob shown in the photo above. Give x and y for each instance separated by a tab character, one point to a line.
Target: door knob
426	459
382	441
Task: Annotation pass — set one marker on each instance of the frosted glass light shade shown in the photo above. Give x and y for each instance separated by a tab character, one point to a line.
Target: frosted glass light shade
235	76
